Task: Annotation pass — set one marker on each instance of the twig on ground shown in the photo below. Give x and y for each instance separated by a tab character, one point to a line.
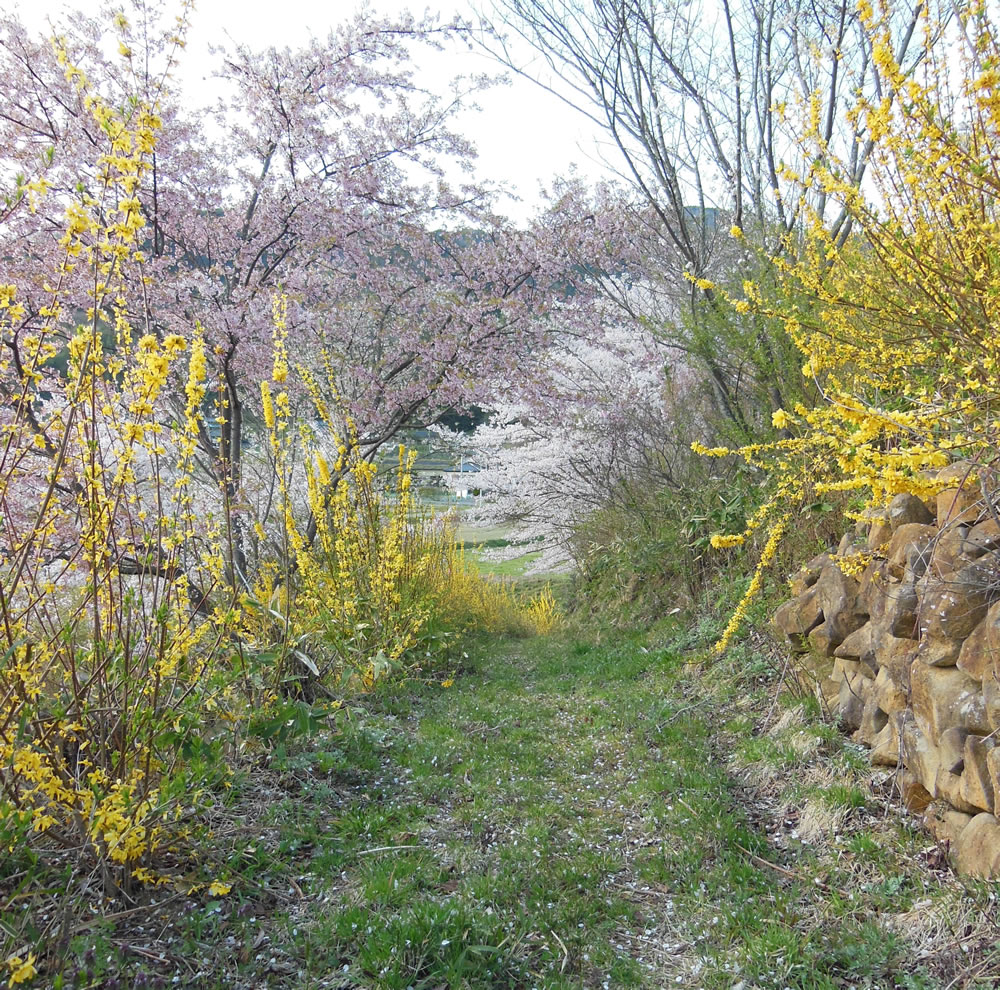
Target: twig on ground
791	874
383	849
681	711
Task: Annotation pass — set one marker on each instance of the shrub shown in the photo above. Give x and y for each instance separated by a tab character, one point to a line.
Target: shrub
896	324
111	627
370	583
133	646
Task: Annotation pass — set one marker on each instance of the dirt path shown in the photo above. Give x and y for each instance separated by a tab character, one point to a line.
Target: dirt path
568	815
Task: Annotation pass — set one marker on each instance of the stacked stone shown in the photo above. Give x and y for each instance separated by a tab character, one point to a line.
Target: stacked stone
911	648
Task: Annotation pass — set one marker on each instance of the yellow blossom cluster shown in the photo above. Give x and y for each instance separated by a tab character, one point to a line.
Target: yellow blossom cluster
897	323
365	570
105	654
21	970
129	637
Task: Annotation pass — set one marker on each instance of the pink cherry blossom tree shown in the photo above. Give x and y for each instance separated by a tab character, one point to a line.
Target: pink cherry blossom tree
598	418
318	177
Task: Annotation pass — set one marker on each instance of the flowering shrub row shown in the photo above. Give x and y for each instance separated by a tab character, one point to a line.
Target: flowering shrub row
133	636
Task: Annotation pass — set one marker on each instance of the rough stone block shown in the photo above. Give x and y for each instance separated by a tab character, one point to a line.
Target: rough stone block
918	559
993	769
948	787
944	822
843	613
873	721
906	509
796	618
920	756
959	501
951	609
973	657
888	696
943	697
828	693
983	538
911	540
853	689
901	610
823	640
949	554
885	746
915	796
875	580
992	638
896	656
849	544
879	535
991	697
977	784
857	645
808	574
860	645
977	849
951	746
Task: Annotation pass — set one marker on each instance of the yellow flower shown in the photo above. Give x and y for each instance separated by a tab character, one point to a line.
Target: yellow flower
448	683
268	405
700	448
21	970
722	541
149	877
323	469
219	889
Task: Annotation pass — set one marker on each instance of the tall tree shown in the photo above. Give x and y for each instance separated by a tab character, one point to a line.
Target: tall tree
706	105
319	177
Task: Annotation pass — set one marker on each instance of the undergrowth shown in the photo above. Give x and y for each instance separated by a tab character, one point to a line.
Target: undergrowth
567	814
156	622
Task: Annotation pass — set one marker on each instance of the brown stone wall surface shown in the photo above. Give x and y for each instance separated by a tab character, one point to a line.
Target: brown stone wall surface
912	643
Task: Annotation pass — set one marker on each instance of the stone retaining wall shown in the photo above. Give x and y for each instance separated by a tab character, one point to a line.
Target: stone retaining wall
910	650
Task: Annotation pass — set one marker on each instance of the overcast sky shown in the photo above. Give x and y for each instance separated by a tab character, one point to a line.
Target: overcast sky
525	136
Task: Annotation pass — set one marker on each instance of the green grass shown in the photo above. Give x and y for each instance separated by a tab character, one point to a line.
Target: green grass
566	815
513	568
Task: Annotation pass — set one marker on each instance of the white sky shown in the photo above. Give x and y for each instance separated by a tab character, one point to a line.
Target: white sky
525	136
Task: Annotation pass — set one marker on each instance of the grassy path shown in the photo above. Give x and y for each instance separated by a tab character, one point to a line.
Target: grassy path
568	815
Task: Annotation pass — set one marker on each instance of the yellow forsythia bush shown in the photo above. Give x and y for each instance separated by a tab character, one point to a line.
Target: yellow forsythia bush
489	604
108	648
897	323
130	639
369	583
